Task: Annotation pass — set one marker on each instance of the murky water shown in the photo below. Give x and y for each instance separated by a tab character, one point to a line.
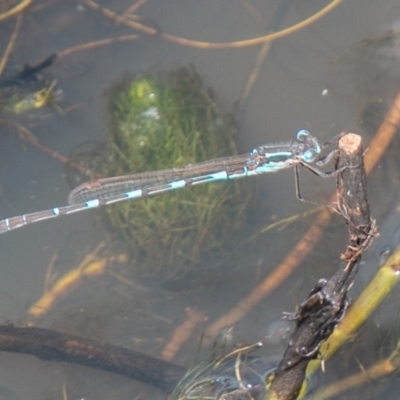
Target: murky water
318	78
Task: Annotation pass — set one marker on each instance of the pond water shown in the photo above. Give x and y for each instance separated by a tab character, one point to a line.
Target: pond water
318	78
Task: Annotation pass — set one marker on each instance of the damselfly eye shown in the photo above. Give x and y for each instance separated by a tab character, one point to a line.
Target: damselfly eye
302	135
309	156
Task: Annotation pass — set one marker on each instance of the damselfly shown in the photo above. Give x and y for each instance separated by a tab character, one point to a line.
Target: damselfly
305	150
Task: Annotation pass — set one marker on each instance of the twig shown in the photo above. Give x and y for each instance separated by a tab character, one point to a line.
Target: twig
15	10
27	137
52	345
352	191
96	44
182	333
379	370
134	7
10	45
207	45
91	266
387	277
326	304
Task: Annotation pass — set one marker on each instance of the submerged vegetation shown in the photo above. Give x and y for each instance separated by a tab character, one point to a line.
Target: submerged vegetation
165	119
237	375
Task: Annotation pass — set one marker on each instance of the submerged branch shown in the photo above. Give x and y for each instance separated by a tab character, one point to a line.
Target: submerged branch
212	45
325	307
51	345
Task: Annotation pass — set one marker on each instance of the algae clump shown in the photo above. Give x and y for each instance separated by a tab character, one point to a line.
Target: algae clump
164	119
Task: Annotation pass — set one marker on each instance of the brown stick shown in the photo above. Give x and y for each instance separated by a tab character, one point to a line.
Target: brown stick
208	45
182	333
325	307
352	188
52	345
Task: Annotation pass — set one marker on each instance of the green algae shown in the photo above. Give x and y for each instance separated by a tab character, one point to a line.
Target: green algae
165	119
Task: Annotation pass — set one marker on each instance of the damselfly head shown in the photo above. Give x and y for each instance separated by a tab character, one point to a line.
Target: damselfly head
310	149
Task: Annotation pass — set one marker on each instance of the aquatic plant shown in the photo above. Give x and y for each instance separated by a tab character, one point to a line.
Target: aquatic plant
161	119
237	375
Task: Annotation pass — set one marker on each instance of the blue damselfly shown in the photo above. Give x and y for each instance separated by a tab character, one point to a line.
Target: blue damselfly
305	150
